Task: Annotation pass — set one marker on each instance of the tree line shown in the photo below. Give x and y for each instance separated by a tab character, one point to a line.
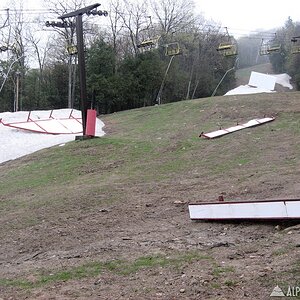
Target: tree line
120	73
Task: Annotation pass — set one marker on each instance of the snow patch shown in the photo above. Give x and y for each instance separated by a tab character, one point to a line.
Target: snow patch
261	81
16	142
284	80
247	89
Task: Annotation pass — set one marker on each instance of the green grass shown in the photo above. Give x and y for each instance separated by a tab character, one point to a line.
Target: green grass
218	270
93	269
288	122
59	167
215	285
231	283
281	251
41	172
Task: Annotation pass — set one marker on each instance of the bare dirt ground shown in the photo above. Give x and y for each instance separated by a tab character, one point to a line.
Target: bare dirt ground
143	245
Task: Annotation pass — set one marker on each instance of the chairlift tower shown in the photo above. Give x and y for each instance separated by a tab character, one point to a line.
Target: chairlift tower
229	70
88	10
172	50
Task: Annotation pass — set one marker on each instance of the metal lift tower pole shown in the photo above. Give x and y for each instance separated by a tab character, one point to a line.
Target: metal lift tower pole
82	73
81	59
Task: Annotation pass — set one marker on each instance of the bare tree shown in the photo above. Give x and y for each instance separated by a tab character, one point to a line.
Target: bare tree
22	42
67	37
115	20
41	50
173	15
17	48
134	19
5	30
116	24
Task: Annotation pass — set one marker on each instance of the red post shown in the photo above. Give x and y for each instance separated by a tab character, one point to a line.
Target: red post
91	122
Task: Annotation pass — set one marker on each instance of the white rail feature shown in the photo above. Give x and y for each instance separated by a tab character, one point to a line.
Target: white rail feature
251	123
260	209
51	124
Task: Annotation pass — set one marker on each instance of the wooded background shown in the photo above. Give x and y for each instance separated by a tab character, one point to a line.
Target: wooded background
120	75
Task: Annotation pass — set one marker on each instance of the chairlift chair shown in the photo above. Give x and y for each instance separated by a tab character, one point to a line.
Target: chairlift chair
295	49
173	49
229	47
149	44
3	48
72	49
224	46
269	47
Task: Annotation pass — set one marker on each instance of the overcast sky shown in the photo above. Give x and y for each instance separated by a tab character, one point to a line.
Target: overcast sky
240	16
249	15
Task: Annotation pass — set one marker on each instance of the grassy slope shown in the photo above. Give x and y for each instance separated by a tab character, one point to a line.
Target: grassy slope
157	143
156	147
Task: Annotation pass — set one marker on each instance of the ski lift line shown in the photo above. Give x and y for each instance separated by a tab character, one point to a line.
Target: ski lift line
36	11
43	11
31	13
39	22
21	10
251	31
248	33
251	37
263	34
266	34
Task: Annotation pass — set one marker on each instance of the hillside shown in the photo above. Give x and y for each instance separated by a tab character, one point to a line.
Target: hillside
107	218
